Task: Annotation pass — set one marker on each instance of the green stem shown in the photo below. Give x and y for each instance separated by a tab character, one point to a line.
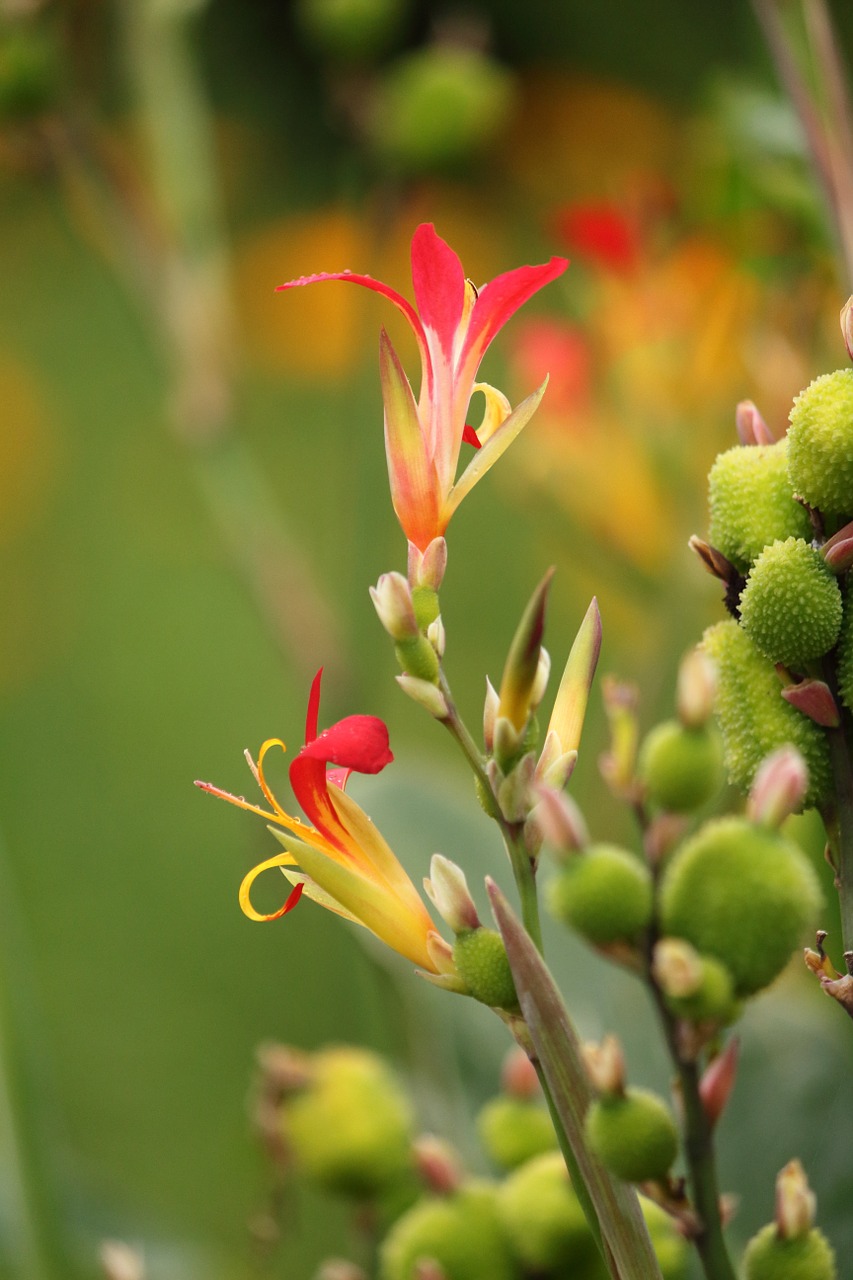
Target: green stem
838	819
511	832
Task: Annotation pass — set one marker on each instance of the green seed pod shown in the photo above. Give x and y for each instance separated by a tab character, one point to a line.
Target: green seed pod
418	658
350	1129
713	998
845	655
681	768
820	443
633	1134
481	962
754	718
351	29
671	1249
791	605
544	1219
605	893
513	1130
741	893
438	106
769	1256
752	503
462	1233
427	606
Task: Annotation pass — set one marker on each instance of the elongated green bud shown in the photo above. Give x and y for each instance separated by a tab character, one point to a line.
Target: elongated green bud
753	716
791	605
752	502
743	894
820	443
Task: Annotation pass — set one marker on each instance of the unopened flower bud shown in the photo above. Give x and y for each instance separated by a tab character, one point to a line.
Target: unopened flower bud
570	704
120	1262
506	742
436	636
696	689
605	1065
560	821
438	1163
779	788
426	694
447	889
718	1080
392	600
490	715
513	794
846	318
518	1075
521	671
540	684
620	706
750	425
426	568
796	1203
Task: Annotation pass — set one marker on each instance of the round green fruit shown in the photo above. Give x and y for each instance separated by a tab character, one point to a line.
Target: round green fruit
753	716
543	1217
671	1249
743	894
605	893
481	962
791	605
350	1129
820	443
752	503
633	1134
513	1130
770	1256
714	997
462	1233
681	768
351	29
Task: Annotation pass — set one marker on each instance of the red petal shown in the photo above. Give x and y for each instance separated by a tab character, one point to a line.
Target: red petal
439	283
356	742
469	435
497	301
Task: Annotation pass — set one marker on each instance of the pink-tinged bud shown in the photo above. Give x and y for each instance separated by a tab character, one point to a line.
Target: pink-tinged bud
426	569
518	1075
426	694
713	560
837	551
555	766
718	1080
490	715
751	427
605	1065
438	1164
513	794
437	637
447	889
847	326
696	689
618	765
392	600
120	1262
677	967
814	699
796	1204
522	663
560	821
573	694
663	833
779	788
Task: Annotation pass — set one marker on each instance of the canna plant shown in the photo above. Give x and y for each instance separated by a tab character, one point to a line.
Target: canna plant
706	912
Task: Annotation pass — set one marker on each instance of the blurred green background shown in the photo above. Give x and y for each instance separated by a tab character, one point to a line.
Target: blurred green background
193	503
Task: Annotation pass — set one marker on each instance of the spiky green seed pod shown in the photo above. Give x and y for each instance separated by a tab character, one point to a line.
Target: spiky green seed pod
820	443
481	962
713	998
741	893
633	1134
462	1233
671	1249
753	716
418	658
605	893
350	1129
752	503
544	1219
791	605
681	768
770	1256
513	1130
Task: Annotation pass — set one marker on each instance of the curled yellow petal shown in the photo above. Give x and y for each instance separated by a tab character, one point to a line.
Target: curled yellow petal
280	860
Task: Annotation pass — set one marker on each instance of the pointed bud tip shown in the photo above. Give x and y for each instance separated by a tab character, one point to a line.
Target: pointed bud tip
779	788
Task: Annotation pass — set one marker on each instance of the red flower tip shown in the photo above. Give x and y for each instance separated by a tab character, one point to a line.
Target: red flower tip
601	233
469	435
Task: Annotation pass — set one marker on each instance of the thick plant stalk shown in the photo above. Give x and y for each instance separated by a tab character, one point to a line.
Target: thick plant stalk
616	1219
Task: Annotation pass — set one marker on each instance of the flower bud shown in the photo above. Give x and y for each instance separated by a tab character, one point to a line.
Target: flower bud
427	568
605	893
437	636
438	1164
680	768
791	605
820	443
521	671
514	1130
790	1248
447	889
605	1065
742	894
779	788
513	794
717	1082
751	427
696	689
752	502
620	706
325	1127
544	1219
633	1134
518	1075
570	704
754	718
490	715
426	694
482	964
120	1262
555	766
560	821
392	600
461	1233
